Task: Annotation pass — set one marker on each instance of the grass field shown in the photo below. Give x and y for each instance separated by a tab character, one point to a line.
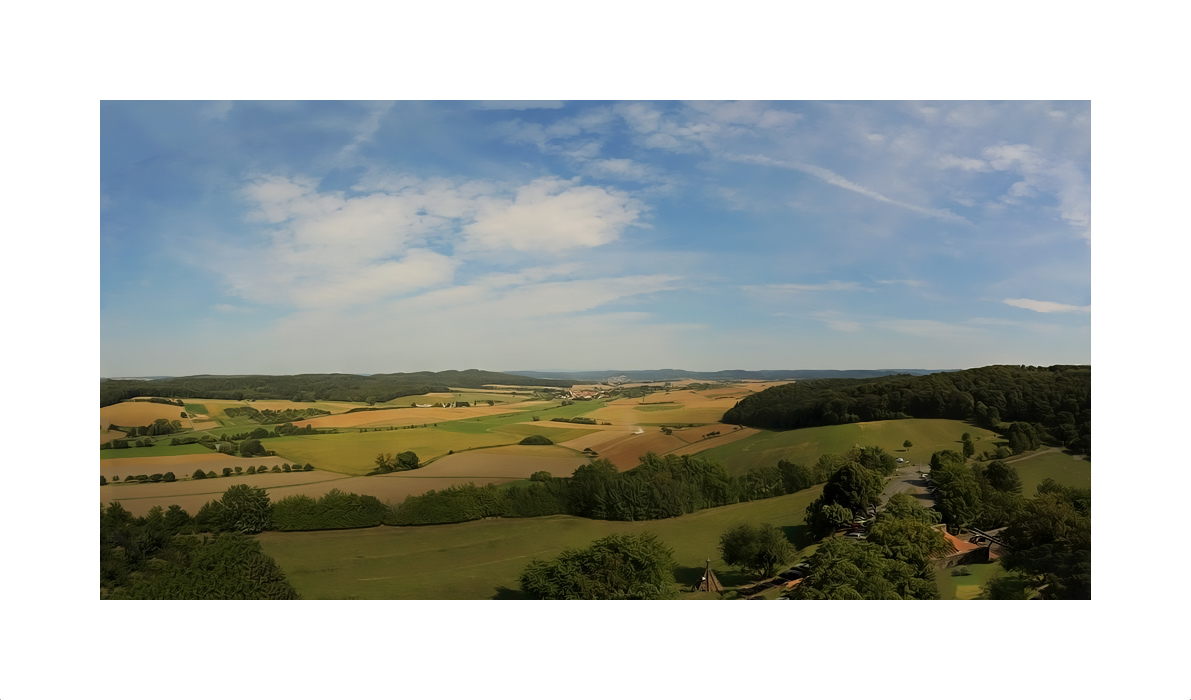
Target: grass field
158	450
806	445
355	453
965	587
1059	466
484	559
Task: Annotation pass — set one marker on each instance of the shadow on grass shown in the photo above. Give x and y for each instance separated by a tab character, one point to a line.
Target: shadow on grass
690	576
505	593
799	535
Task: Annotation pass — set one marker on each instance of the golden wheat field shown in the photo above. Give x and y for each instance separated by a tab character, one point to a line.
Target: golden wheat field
137	413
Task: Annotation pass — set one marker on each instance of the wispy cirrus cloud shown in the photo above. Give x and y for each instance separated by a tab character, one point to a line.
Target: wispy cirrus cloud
1047	307
838	180
833	286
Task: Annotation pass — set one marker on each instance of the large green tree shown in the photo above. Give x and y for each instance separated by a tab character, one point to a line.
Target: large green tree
756	548
621	566
849	570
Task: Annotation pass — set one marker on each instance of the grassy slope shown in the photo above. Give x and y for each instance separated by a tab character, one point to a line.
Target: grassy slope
484	559
965	587
1056	465
806	445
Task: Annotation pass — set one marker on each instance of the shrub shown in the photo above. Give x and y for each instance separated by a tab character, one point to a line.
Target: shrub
198	474
961	571
169	476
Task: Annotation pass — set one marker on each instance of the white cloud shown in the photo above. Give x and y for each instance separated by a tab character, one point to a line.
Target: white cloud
551	215
397	234
1046	307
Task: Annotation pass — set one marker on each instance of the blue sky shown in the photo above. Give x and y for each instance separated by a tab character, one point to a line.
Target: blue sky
278	237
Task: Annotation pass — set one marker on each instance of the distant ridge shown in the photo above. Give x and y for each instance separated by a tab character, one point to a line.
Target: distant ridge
655	375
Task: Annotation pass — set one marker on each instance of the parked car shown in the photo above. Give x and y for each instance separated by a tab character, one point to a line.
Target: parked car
856	536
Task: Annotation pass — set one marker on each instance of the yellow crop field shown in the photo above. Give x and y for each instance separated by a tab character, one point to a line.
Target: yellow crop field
513	461
402	416
137	413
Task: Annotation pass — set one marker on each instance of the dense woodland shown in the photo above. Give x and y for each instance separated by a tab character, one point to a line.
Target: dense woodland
1056	400
311	387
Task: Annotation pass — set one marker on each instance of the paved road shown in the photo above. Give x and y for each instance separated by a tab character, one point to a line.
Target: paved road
907	478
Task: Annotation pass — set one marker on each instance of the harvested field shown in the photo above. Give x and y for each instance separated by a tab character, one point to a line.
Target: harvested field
624	448
204	424
514	461
402	417
626	453
109	435
191	495
182	465
698	444
162	449
137	413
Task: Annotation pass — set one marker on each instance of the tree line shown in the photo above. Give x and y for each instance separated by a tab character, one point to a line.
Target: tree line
311	387
1055	401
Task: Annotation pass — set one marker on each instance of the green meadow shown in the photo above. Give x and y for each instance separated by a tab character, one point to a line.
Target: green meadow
353	452
484	558
1059	466
806	445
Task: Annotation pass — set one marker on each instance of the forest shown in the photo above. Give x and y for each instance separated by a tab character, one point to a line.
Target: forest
1056	400
311	387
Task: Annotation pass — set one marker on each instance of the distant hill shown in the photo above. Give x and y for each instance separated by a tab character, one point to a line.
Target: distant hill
657	375
312	387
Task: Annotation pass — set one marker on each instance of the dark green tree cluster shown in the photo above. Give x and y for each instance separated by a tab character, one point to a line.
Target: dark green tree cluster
536	440
155	557
465	502
617	567
893	563
242	508
271	417
760	549
387	463
853	570
335	510
984	496
1050	542
1055	400
850	491
659	487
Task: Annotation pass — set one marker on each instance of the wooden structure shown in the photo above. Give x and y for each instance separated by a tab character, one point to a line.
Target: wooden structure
709	582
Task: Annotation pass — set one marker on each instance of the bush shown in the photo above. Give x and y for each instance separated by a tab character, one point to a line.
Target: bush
541	476
961	571
536	440
102	480
169	476
198	474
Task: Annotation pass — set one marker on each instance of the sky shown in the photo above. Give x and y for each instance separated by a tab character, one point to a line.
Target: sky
372	237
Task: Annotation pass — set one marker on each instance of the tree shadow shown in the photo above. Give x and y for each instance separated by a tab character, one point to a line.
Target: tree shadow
799	535
506	593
